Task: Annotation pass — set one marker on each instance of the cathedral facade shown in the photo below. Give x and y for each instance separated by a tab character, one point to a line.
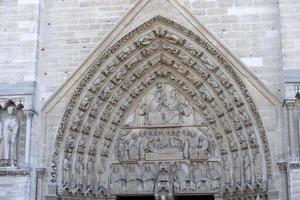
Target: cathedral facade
153	99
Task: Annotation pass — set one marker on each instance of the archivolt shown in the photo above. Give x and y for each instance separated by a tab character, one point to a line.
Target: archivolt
162	49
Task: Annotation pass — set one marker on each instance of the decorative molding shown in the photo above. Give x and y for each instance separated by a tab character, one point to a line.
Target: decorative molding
14	172
282	166
225	102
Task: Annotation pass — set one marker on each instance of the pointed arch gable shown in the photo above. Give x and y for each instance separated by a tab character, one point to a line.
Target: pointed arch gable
160	48
142	12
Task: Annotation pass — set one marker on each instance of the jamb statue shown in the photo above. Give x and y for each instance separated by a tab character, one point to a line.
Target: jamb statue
9	136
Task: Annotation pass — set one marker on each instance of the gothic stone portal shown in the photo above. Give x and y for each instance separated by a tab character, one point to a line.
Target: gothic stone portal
165	115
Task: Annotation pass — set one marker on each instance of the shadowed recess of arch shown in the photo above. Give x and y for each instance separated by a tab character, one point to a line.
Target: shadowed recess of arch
210	82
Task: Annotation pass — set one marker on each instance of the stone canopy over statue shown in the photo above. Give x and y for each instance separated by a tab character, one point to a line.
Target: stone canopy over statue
9	132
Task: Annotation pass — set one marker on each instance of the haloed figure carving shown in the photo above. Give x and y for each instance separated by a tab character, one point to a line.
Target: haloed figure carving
9	136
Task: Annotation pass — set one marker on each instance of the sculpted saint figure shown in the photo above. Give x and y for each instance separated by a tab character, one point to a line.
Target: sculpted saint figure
193	146
9	135
66	168
246	166
213	175
226	168
117	179
180	178
101	171
203	145
133	180
144	111
148	179
122	152
79	169
198	176
133	151
90	169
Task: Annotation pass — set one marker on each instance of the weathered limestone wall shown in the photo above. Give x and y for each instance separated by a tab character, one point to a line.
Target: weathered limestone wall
71	28
18	31
14	188
290	39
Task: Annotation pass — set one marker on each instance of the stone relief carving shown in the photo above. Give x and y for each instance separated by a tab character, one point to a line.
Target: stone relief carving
168	115
90	170
192	143
79	171
162	105
180	176
66	169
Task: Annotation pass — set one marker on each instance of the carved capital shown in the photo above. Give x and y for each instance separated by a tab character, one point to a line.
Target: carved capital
289	103
14	172
294	165
282	165
40	172
29	113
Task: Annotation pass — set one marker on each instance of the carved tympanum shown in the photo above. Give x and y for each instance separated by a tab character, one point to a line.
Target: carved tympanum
162	112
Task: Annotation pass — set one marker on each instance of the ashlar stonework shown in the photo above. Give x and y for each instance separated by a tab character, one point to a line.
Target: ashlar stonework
160	108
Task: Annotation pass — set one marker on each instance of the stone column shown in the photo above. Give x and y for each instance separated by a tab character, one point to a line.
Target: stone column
39	179
29	115
293	138
285	182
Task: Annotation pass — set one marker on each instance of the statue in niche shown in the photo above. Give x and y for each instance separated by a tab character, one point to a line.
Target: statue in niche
133	147
256	162
66	168
79	169
144	111
246	166
9	136
134	183
185	110
180	178
211	146
117	181
198	146
214	176
159	108
77	121
93	147
203	145
148	179
105	149
70	143
86	102
82	144
90	169
198	176
226	168
101	171
193	143
236	168
122	151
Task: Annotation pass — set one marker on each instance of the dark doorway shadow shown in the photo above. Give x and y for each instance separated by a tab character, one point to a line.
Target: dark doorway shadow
136	198
202	197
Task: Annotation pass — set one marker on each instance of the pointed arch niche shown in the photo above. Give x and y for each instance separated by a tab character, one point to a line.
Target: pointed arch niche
161	112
